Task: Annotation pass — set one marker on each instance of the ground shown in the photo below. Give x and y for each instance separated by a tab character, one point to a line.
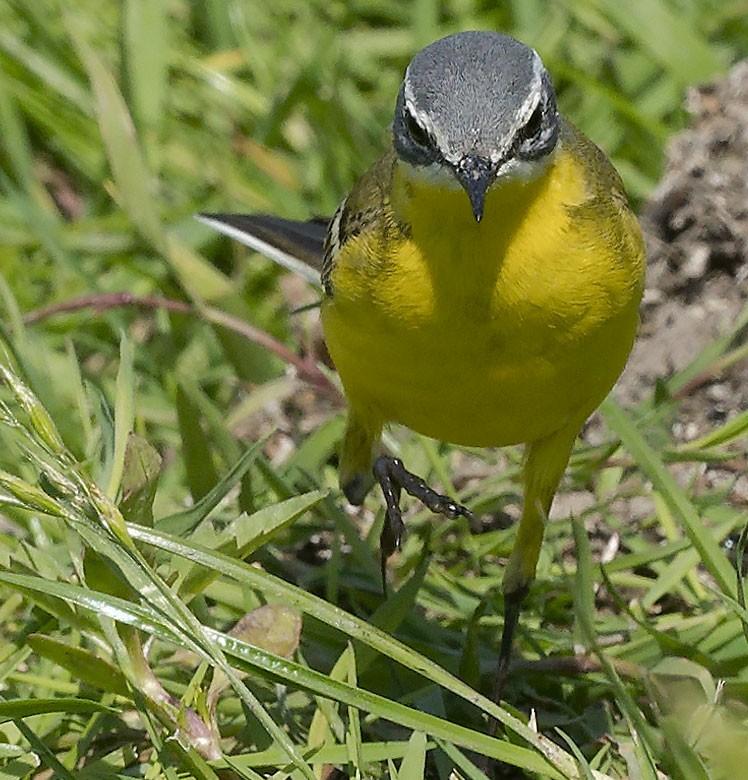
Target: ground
696	231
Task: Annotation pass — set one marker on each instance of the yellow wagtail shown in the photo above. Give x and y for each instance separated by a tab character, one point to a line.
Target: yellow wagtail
487	320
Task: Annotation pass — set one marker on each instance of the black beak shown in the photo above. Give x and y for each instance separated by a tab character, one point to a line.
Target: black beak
475	174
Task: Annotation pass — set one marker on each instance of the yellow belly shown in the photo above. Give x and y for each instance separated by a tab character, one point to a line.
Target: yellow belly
492	333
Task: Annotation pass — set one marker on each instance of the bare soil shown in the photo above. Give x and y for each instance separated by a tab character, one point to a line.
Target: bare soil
696	231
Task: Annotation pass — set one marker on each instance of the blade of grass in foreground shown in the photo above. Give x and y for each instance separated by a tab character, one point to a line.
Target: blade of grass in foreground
644	736
124	414
149	620
186	521
100	525
328	754
646	459
26	708
355	628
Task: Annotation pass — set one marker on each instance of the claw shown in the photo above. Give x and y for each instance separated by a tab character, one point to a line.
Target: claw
393	478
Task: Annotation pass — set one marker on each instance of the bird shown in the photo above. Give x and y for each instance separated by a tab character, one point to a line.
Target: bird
480	285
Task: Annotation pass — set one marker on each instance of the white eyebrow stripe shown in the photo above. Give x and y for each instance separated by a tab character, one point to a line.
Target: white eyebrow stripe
424	120
532	101
535	92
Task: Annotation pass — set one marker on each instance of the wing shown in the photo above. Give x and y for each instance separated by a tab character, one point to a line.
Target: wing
609	205
367	209
295	246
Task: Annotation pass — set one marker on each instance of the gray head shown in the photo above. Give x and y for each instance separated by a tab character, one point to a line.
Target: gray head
476	107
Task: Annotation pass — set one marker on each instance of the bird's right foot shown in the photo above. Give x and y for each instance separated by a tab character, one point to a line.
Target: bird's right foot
393	478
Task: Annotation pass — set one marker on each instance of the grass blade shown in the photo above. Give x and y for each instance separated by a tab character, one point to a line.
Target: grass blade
646	458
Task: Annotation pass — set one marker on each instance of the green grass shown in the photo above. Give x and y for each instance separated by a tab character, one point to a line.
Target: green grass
143	511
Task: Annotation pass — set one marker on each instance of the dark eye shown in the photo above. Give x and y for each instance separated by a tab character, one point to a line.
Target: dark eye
534	124
416	132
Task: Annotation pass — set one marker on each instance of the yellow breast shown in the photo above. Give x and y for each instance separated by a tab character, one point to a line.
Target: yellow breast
495	332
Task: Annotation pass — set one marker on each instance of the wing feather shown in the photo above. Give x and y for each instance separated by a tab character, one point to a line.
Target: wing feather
295	246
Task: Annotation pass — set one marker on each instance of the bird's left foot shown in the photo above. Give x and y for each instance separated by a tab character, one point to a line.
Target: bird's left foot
393	478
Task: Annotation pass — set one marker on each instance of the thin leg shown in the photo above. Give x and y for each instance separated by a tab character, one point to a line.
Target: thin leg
356	454
545	462
393	478
512	609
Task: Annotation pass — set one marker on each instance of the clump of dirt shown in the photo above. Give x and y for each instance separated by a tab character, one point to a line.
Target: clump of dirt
697	219
696	231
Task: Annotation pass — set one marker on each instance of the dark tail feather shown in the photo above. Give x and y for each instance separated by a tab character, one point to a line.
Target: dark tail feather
296	246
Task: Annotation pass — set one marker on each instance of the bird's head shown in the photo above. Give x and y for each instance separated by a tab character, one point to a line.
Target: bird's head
476	108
